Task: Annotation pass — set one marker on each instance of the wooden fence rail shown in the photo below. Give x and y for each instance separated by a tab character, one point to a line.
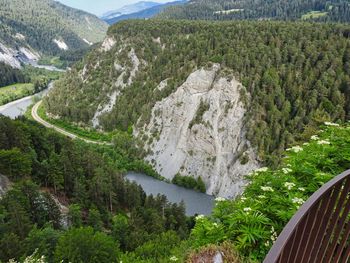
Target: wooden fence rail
319	231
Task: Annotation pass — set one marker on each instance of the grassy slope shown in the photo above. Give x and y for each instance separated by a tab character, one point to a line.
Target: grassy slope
15	91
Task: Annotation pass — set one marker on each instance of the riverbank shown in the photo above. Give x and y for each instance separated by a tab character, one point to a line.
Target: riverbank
15	91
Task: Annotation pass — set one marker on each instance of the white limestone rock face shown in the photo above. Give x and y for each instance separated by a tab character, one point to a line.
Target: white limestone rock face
61	44
107	44
211	148
8	56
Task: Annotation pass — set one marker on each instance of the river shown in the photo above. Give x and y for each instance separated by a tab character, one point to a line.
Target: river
196	203
17	108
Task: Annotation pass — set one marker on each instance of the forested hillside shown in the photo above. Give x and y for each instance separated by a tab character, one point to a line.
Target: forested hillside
46	26
297	75
321	10
105	218
9	75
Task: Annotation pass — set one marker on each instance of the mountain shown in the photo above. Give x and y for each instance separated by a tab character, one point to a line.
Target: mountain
180	85
145	13
129	9
30	29
320	10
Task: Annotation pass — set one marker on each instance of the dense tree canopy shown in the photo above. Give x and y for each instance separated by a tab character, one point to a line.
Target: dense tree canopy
320	10
297	74
47	167
38	22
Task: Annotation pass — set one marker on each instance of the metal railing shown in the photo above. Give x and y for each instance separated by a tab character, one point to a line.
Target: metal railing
319	231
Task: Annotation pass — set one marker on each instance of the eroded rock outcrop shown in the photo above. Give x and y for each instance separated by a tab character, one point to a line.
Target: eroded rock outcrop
199	131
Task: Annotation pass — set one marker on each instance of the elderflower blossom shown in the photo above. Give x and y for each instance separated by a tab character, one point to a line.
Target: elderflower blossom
261	170
306	144
273	234
266	188
199	217
243	198
267	243
314	137
324	142
297	200
302	189
289	186
331	124
286	170
261	196
215	225
247	209
220	199
173	258
295	149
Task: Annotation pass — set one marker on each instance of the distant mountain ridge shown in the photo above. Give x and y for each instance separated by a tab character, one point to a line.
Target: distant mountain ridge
149	12
129	9
32	28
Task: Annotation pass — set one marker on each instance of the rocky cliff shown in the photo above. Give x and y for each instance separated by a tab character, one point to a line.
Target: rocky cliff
199	131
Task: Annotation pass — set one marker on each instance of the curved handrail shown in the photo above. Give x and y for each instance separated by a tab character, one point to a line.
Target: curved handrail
320	229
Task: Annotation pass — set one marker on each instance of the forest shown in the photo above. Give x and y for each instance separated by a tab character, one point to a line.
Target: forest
322	10
9	75
38	22
104	217
296	75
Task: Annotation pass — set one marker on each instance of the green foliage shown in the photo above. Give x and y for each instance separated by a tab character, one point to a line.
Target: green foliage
24	82
41	21
9	75
14	163
297	75
85	245
322	10
15	91
189	182
254	220
86	179
202	108
42	241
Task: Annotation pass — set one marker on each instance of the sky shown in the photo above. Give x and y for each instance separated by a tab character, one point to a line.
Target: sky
98	7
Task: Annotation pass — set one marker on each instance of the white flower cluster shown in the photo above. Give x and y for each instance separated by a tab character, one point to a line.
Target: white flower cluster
273	234
324	142
295	149
261	170
31	259
289	186
199	217
331	124
215	224
247	209
173	258
302	189
220	199
287	170
298	201
267	188
314	137
243	198
261	196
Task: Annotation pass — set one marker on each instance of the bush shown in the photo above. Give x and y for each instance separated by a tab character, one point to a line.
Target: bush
253	221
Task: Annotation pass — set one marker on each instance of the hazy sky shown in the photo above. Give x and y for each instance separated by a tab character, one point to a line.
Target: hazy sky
98	7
